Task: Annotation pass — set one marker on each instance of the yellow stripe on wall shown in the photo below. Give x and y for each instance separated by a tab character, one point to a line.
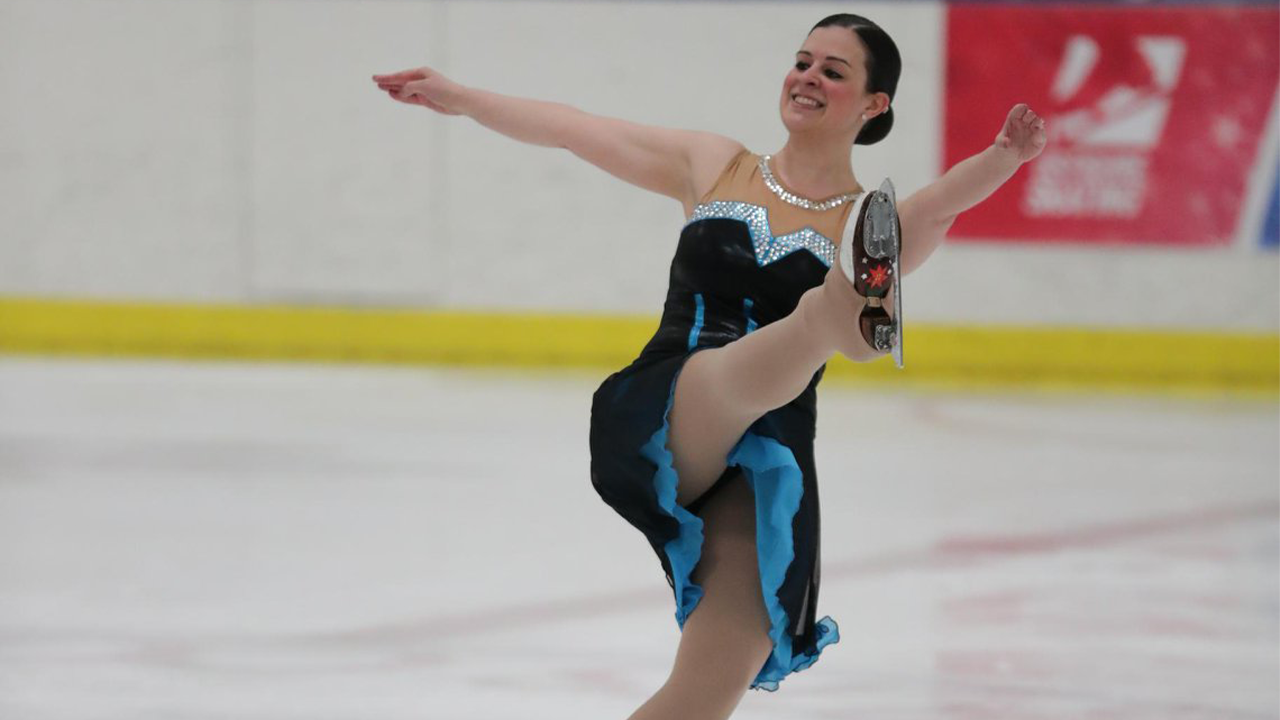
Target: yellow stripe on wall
946	356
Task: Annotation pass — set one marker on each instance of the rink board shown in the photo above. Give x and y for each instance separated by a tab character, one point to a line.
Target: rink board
1123	359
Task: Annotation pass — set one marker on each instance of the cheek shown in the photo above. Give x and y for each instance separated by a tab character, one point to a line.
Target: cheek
787	83
840	96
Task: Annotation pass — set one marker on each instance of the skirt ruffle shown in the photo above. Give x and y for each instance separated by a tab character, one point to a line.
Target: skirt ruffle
640	484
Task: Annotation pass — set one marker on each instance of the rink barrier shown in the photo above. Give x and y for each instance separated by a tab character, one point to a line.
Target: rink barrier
957	357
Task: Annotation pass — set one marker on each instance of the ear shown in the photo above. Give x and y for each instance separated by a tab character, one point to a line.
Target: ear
879	105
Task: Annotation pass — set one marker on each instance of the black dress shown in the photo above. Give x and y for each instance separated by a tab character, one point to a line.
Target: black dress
730	275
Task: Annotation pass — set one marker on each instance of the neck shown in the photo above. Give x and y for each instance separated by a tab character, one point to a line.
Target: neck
816	169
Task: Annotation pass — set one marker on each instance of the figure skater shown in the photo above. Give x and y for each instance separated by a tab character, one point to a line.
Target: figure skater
705	442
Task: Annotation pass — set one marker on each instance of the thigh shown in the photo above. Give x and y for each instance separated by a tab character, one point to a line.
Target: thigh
702	428
725	640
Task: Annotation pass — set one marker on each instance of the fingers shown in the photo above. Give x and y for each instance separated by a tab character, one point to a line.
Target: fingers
396	81
398	90
1022	112
393	81
417	87
402	84
1033	121
401	96
409	98
1025	115
401	77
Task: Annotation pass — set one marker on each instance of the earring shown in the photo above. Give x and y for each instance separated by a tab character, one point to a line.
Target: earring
864	116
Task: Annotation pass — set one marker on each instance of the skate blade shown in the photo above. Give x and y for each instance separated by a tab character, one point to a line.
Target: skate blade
897	316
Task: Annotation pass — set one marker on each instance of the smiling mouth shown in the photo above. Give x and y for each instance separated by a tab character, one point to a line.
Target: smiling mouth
805	102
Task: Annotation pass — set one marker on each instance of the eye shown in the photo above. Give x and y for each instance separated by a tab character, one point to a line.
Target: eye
801	65
834	75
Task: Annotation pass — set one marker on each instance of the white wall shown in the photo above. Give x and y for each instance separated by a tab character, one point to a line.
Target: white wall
235	151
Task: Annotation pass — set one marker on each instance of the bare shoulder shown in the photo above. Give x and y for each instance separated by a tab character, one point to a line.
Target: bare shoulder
708	155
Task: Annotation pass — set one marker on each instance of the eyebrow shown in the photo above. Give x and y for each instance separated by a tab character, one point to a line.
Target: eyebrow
829	57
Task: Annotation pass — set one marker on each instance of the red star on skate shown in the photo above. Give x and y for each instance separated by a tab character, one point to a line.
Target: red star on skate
879	275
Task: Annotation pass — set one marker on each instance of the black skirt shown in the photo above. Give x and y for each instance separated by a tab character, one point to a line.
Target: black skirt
631	469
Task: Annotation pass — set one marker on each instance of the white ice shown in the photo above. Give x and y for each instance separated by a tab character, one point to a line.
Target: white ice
192	541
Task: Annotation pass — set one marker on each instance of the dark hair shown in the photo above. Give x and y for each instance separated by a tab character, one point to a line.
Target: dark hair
883	65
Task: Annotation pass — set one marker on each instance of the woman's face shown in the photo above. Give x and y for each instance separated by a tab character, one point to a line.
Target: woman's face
824	89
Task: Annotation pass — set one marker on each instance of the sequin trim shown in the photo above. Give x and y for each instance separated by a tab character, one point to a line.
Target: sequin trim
767	247
772	183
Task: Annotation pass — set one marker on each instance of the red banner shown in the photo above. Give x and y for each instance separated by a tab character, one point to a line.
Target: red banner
1155	117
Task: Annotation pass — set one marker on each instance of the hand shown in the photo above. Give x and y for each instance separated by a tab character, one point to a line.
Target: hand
422	86
1023	133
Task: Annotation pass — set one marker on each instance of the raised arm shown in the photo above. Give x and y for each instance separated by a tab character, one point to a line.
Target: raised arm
928	213
677	163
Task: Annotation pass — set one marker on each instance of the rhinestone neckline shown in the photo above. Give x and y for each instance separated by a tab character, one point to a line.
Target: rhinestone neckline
787	196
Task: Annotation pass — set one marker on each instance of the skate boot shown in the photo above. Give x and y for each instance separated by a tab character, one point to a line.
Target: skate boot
870	249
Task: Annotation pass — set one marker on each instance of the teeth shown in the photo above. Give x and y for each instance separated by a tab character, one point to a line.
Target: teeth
805	101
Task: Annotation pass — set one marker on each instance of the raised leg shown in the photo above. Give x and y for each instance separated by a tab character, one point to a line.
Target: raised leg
725	640
721	391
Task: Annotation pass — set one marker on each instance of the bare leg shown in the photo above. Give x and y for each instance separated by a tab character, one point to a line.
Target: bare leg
718	395
723	390
726	638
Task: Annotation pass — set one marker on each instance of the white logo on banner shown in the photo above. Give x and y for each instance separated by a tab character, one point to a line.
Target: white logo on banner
1097	165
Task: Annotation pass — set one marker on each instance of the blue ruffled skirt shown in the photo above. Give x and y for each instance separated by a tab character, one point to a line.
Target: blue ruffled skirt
631	469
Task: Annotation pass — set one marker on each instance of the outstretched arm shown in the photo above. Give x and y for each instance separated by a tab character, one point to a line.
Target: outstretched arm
666	161
928	214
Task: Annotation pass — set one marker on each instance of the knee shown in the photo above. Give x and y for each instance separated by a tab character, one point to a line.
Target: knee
725	672
693	697
710	693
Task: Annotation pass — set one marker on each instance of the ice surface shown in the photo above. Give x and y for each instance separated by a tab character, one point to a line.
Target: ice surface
190	541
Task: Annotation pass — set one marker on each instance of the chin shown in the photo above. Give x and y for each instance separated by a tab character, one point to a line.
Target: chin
793	123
